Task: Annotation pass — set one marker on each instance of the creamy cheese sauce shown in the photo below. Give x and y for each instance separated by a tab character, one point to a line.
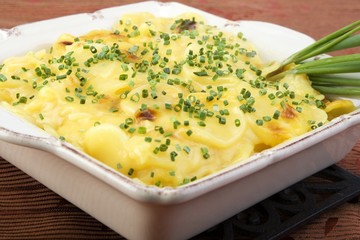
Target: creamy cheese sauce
162	100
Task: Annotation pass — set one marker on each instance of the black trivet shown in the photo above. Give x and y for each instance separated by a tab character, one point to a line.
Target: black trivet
278	215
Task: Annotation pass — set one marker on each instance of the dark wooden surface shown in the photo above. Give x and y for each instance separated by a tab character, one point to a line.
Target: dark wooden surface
28	210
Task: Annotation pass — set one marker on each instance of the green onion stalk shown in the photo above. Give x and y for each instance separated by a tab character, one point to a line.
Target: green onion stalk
328	74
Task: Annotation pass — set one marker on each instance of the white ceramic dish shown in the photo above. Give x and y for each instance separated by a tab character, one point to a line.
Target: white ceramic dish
140	212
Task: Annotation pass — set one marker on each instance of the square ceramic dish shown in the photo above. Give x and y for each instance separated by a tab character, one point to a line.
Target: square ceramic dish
137	211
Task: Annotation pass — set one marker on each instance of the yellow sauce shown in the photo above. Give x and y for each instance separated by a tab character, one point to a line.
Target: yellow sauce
162	100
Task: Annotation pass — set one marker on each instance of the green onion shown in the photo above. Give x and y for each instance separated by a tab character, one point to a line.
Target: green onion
237	122
267	118
351	91
259	122
173	154
131	171
201	73
132	130
187	149
201	124
60	77
331	42
205	152
338	64
123	77
321	71
156	150
93	49
3	78
222	120
163	147
276	114
327	80
142	130
69	99
133	49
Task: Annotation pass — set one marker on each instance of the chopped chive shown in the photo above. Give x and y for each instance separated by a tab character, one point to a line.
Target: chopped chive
145	93
60	77
123	77
132	130
222	120
125	67
202	124
113	109
283	105
259	122
173	155
267	118
133	49
168	106
201	73
22	99
69	99
320	104
237	122
279	94
205	152
163	147
276	114
131	171
93	49
142	130
185	181
271	96
176	124
3	78
187	149
135	97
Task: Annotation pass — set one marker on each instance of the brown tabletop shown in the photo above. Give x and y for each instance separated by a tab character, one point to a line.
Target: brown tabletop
28	210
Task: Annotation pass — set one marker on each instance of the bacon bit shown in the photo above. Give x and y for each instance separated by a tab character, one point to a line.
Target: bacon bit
289	112
147	114
66	43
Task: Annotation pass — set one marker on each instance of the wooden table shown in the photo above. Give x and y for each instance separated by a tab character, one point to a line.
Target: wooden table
28	210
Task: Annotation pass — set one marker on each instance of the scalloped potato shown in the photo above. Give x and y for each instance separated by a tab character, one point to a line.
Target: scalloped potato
162	100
